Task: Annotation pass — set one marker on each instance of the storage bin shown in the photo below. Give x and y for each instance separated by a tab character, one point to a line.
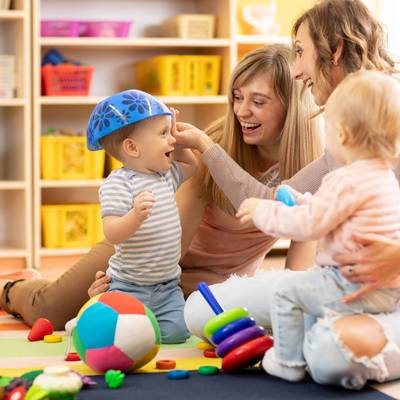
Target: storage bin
104	28
63	28
7	76
209	75
173	75
71	225
161	75
5	4
66	80
190	26
67	157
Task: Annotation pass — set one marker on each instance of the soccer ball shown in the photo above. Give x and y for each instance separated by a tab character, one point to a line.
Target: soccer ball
116	331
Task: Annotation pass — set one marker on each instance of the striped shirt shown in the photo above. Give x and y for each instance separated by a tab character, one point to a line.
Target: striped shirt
152	254
361	197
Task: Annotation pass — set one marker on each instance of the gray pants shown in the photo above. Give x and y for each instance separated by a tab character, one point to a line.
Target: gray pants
166	301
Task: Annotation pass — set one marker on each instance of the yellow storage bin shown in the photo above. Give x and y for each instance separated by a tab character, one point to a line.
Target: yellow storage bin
180	75
161	75
191	67
209	75
67	157
71	225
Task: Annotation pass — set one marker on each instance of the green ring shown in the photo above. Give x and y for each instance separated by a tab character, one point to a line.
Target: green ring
224	318
208	370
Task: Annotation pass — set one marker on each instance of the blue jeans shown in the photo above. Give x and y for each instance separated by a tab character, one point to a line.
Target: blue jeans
328	361
166	301
313	292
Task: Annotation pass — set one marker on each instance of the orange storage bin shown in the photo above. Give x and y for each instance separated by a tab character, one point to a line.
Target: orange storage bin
66	80
71	225
67	157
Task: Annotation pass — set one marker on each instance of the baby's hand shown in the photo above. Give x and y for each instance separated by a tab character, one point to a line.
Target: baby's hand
143	204
246	210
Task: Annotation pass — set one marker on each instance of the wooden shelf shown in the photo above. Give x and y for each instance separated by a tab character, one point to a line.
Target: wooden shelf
70	183
257	39
13	253
63	252
93	100
15	102
12	185
132	42
11	14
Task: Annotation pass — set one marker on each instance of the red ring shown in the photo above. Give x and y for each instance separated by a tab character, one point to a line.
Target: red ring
247	354
165	364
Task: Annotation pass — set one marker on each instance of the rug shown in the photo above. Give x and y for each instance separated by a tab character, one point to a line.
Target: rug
18	355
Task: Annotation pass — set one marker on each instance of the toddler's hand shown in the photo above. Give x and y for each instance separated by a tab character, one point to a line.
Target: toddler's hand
246	210
143	204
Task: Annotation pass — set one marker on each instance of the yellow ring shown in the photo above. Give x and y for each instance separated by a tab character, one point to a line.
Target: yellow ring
53	338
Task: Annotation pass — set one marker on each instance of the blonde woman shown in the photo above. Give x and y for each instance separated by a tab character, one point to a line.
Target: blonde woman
331	40
266	130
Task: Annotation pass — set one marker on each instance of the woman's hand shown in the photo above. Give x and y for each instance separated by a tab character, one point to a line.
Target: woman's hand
375	266
188	135
100	285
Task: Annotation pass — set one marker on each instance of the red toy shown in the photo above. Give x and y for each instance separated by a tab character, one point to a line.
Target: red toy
40	329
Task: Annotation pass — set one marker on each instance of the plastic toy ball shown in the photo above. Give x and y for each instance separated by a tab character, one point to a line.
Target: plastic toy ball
116	331
284	195
240	342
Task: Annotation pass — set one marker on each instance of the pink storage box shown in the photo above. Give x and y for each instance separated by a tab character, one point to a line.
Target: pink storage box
104	28
65	28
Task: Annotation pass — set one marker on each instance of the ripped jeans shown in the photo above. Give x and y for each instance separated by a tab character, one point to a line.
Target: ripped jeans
313	292
338	366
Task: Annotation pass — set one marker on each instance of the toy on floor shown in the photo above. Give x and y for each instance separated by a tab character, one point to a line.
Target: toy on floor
165	364
176	374
57	382
52	339
115	331
114	378
40	328
240	342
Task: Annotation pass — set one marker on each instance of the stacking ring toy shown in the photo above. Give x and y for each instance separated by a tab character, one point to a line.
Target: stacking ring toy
240	342
224	318
238	339
232	328
247	354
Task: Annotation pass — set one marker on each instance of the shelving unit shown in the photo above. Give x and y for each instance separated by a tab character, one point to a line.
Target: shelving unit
15	141
114	60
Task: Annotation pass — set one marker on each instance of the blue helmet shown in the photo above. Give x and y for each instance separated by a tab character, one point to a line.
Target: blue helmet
120	110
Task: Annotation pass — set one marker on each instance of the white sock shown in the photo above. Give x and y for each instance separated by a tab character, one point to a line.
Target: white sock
273	367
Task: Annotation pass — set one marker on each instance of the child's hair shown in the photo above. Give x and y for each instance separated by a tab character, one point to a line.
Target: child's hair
352	23
300	137
112	142
366	104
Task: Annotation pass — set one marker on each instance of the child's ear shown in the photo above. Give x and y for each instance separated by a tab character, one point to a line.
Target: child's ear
130	148
344	135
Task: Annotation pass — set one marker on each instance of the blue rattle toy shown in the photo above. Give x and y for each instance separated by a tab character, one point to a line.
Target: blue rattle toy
285	196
